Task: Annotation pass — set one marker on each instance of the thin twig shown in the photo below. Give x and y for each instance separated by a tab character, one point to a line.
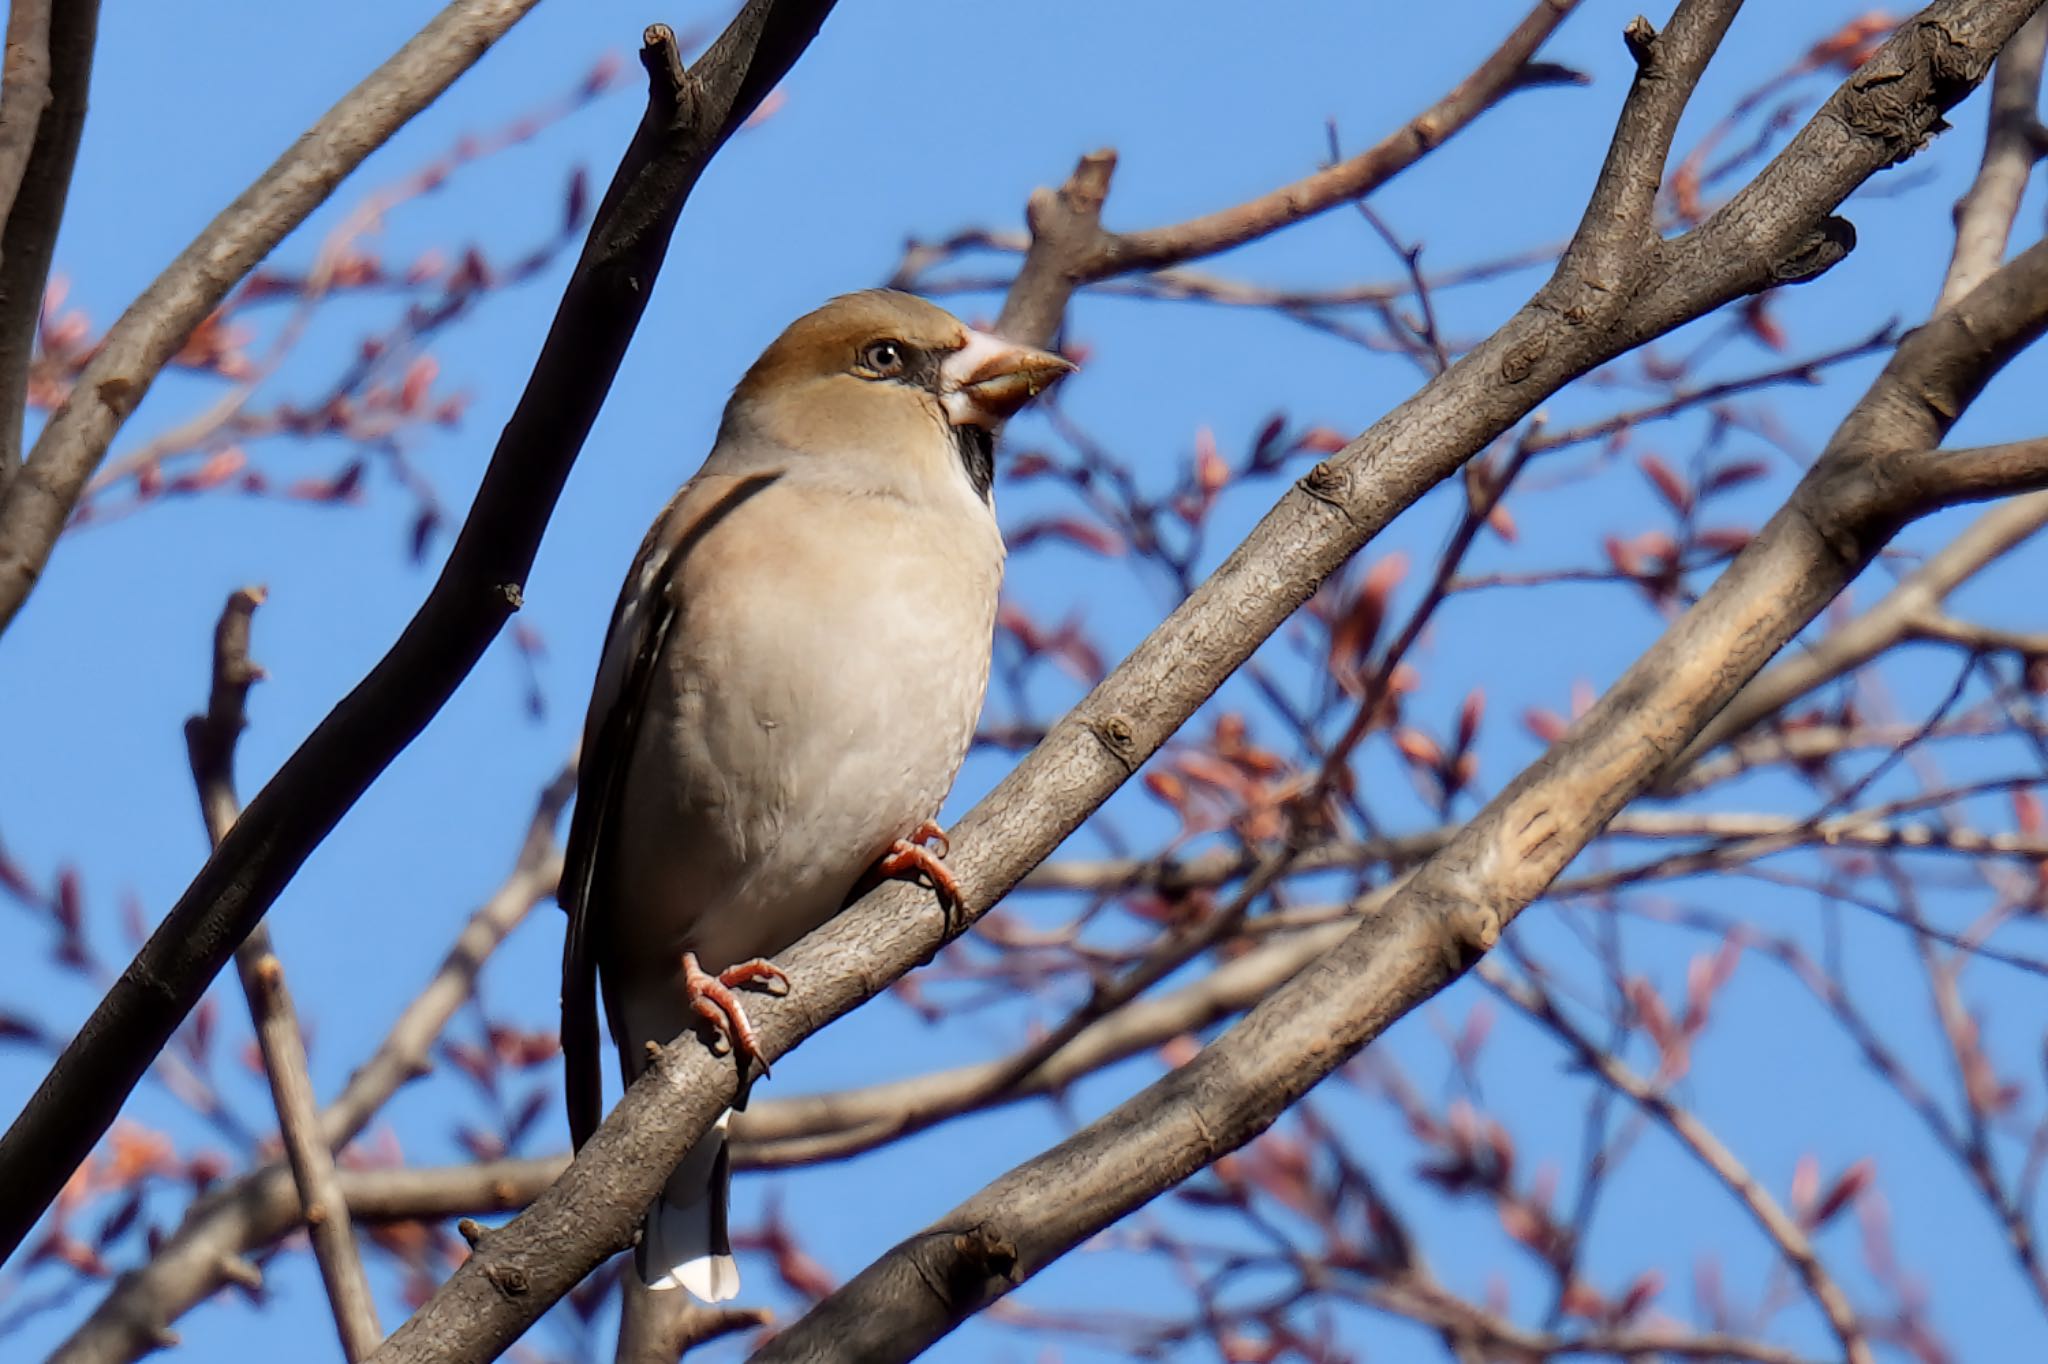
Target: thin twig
210	739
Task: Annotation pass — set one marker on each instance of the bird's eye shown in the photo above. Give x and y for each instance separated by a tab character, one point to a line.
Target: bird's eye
883	359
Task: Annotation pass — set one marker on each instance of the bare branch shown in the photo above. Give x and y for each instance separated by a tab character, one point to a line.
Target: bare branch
41	128
24	94
2012	143
688	119
1785	1233
210	739
1455	906
658	1328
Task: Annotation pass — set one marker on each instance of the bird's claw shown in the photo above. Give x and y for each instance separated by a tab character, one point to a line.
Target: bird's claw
910	857
711	997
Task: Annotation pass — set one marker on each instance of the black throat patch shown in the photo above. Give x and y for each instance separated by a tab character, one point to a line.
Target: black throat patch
976	446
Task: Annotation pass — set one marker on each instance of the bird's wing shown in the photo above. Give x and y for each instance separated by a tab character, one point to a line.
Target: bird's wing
639	633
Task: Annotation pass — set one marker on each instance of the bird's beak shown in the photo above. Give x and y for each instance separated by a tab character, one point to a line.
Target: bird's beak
988	379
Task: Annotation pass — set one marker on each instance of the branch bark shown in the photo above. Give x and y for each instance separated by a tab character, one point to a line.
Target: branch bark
689	117
42	129
210	740
1617	286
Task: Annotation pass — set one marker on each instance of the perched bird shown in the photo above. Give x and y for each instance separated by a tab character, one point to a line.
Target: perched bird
792	676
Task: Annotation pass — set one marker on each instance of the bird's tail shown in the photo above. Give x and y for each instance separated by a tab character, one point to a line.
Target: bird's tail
683	1240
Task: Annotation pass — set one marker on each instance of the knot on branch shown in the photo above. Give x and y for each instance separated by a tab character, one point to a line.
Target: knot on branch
511	1280
1115	733
957	1265
1899	95
1070	217
671	89
1463	928
1818	252
1641	38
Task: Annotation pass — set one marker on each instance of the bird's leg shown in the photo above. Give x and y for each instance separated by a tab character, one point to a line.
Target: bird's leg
712	999
909	857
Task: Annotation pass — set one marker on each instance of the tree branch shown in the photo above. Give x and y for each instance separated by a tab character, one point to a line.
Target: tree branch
1914	601
2012	143
42	129
688	119
210	740
1779	1226
24	94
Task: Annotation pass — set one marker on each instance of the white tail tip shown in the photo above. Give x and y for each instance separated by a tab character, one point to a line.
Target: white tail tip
708	1278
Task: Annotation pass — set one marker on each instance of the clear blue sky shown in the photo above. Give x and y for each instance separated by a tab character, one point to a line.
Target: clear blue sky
902	120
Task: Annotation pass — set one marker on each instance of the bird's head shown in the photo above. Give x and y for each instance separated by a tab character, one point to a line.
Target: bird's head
887	378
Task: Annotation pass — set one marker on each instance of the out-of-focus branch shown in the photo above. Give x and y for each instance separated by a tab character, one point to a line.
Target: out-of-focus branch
689	117
659	1328
1777	1224
255	1209
1578	320
42	113
2012	144
1914	604
1071	249
210	741
1858	829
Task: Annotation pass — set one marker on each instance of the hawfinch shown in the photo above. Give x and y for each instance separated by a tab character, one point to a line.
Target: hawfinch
793	674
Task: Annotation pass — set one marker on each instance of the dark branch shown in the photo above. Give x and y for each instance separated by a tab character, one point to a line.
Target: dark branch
44	133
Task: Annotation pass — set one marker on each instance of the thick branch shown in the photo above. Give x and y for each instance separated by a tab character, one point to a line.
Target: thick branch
1571	327
39	130
210	740
688	119
24	93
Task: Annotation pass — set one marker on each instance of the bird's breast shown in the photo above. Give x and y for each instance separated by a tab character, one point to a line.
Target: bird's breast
816	697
